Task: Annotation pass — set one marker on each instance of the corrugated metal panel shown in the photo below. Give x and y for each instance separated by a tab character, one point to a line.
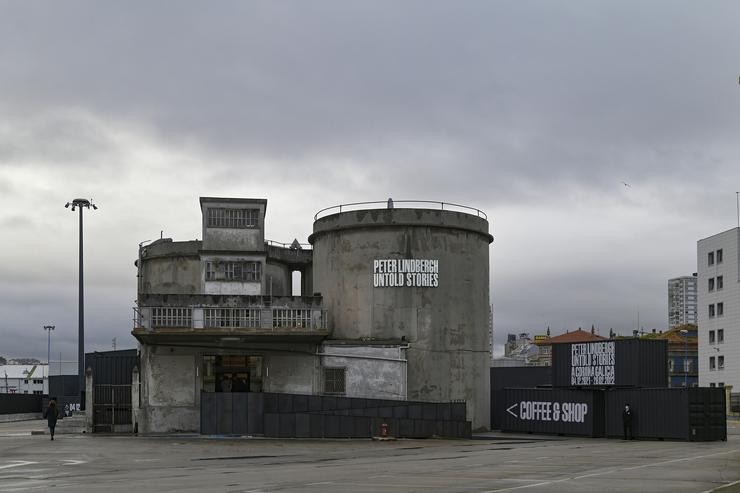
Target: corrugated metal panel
112	367
707	414
553	411
636	363
514	377
657	412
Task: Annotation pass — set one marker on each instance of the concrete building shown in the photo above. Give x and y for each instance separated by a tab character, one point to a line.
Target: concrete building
719	309
682	301
394	305
24	379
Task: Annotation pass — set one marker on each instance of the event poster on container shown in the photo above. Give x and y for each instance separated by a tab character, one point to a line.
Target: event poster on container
592	363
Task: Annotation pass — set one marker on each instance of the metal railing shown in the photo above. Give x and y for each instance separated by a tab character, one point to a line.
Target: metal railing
304	246
262	318
354	206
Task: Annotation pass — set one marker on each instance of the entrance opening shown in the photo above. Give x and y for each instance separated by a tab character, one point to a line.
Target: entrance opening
297	279
232	373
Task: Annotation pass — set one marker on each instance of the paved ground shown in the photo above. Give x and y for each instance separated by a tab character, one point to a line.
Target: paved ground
498	462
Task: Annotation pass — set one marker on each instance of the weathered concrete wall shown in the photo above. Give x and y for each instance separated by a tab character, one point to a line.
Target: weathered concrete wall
446	326
278	279
232	239
168	390
171	380
376	372
288	372
170	267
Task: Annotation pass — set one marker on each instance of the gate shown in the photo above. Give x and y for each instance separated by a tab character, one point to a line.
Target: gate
112	409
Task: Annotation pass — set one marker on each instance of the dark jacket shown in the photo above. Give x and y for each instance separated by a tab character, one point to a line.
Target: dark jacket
51	414
627	417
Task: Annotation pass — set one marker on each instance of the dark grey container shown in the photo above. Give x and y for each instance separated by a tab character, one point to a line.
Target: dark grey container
514	377
693	414
553	411
636	363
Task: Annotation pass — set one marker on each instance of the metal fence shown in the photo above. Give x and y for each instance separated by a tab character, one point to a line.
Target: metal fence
112	408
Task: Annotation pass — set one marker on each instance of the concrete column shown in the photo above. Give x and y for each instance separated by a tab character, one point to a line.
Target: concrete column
135	399
89	400
728	400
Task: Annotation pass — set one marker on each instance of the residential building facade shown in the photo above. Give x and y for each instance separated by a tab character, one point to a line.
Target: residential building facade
682	301
719	309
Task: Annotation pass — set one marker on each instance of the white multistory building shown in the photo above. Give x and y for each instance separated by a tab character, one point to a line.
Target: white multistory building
682	301
718	284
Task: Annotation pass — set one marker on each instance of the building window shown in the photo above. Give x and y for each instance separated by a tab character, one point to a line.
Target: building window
234	271
720	336
719	256
711	284
720	362
289	317
720	282
710	258
711	311
220	217
38	392
25	381
38	381
711	337
720	309
172	317
334	380
712	385
712	365
231	317
721	384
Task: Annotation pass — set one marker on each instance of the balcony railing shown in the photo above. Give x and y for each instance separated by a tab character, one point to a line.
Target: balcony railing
277	319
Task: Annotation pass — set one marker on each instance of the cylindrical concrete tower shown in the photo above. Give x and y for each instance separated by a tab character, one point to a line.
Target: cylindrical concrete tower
419	275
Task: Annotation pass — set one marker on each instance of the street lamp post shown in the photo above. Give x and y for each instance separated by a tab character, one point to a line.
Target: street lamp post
81	204
685	332
48	328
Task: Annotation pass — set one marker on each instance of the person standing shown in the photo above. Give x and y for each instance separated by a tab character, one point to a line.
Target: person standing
627	422
51	414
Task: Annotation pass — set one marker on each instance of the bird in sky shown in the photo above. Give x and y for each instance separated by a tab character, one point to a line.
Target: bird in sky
626	184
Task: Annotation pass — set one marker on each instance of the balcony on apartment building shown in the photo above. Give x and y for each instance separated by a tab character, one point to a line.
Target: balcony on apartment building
218	319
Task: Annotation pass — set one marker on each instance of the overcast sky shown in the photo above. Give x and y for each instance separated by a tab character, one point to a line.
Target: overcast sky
532	111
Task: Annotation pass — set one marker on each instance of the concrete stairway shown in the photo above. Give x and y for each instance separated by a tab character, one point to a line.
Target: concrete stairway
71	424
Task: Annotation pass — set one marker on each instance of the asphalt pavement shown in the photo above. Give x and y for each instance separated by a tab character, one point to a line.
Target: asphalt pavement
491	463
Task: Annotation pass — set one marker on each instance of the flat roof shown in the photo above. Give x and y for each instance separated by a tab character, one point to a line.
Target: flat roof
233	200
718	234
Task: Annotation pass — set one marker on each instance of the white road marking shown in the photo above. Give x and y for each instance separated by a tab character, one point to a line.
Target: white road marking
73	462
18	463
720	488
555	481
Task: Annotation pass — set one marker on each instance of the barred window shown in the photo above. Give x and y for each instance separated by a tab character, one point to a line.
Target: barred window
288	317
334	380
231	317
172	317
234	271
220	217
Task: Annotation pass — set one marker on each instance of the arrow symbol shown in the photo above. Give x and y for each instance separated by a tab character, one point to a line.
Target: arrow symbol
508	410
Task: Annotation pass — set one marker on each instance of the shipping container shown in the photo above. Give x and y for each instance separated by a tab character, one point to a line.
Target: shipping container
611	363
112	367
693	414
514	377
553	411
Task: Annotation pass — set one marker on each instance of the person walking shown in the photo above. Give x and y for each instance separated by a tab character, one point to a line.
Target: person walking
51	414
627	422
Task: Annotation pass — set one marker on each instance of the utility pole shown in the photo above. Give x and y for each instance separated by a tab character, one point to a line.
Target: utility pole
81	204
48	329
